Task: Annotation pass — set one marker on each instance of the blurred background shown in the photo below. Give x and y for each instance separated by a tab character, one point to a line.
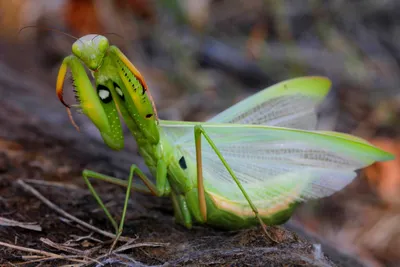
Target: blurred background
201	56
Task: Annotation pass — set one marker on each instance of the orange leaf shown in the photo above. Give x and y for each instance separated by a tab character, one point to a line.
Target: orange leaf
81	17
141	8
385	176
256	40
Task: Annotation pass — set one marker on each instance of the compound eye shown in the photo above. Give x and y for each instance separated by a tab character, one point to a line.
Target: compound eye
103	44
76	50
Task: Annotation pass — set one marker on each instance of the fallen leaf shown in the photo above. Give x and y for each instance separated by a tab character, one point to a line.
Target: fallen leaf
81	17
141	8
385	176
256	40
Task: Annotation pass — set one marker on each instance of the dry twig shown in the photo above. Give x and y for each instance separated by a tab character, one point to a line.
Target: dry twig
138	245
55	184
66	214
61	247
49	255
26	225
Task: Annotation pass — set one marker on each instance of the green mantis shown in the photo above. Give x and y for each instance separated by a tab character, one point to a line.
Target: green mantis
251	164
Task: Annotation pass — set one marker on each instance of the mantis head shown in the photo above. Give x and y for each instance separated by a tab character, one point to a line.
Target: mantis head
91	49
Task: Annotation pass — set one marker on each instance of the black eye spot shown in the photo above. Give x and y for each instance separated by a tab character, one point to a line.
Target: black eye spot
104	94
149	116
182	163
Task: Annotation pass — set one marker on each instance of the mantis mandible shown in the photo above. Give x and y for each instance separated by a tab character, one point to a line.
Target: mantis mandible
251	164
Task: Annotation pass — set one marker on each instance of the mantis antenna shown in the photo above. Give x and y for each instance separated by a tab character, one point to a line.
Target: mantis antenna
109	33
47	29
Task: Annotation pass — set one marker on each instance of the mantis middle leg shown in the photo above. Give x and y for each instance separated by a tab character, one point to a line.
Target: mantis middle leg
161	188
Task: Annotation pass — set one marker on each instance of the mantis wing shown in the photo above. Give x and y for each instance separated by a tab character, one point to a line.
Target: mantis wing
289	104
274	164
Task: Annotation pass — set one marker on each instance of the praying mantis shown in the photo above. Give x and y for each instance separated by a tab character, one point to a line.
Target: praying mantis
251	164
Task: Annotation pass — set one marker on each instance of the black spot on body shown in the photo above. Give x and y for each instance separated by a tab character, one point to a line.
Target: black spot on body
182	163
149	116
143	88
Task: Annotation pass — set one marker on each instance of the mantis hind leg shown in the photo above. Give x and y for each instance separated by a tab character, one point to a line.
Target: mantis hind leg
198	131
159	189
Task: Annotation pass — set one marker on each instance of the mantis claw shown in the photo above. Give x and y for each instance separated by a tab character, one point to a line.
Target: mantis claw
72	119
